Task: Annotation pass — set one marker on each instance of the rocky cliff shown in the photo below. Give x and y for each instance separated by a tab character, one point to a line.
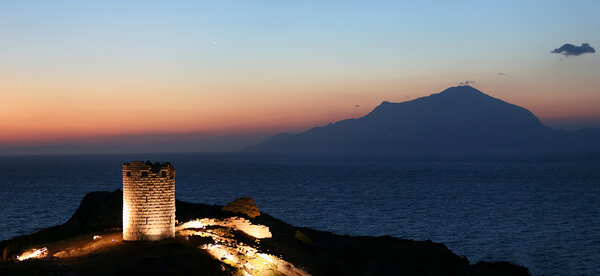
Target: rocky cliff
90	244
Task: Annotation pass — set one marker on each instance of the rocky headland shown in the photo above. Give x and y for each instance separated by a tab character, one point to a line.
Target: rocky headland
235	239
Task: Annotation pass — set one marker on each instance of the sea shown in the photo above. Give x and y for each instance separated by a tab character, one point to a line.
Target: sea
539	210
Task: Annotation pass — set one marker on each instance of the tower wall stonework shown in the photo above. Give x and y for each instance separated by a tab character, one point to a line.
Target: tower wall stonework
148	201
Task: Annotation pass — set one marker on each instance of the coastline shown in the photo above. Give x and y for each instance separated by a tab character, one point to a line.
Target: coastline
306	250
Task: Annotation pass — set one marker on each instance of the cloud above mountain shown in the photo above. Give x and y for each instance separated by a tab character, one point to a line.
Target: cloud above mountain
573	50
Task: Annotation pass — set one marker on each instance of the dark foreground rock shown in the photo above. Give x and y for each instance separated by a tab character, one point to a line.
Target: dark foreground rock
317	252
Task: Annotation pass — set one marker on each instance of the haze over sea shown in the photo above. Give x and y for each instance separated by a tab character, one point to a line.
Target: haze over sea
537	210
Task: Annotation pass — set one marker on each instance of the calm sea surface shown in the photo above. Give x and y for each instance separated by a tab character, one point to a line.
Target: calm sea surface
541	211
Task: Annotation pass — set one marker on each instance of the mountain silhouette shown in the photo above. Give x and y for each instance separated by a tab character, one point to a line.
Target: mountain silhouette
458	118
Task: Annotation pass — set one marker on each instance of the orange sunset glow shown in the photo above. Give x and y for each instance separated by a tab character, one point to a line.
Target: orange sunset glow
74	81
57	111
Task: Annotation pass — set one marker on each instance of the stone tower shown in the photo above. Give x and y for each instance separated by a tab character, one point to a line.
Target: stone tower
148	201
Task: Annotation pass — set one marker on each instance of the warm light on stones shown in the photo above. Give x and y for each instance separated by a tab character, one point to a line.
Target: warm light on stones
250	262
194	224
148	201
237	223
227	249
33	254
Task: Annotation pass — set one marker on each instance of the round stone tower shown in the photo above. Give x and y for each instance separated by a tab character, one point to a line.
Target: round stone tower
148	201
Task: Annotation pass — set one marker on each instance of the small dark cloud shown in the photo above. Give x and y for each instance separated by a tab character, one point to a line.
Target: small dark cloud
502	74
572	50
466	83
357	106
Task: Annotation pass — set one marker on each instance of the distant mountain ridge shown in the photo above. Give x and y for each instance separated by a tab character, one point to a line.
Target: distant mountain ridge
458	118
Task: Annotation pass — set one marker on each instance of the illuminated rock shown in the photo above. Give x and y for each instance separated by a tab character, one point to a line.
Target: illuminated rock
237	223
243	205
33	254
148	201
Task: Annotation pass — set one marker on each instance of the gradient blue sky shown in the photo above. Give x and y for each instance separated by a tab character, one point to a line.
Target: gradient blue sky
77	71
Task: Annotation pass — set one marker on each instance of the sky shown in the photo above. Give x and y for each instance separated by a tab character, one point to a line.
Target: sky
215	76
